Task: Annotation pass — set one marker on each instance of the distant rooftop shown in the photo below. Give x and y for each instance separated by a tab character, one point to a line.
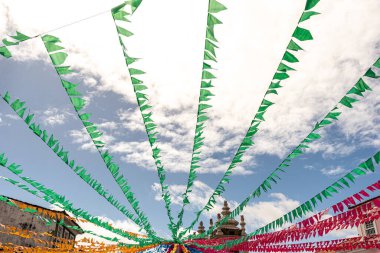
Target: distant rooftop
48	209
362	203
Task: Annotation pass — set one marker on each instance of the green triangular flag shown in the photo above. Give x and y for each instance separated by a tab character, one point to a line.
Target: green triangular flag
307	15
215	6
58	58
377	63
5	52
294	46
123	31
289	57
135	4
20	37
302	34
310	4
284	67
51	47
50	38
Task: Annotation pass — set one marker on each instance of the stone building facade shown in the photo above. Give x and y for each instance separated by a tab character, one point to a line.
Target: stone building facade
367	229
14	217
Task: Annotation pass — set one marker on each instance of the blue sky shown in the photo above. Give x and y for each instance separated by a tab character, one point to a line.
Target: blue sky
170	42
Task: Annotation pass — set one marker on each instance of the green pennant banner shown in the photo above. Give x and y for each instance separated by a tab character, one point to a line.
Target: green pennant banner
61	152
282	73
12	41
121	15
47	221
53	198
205	95
145	109
58	58
330	118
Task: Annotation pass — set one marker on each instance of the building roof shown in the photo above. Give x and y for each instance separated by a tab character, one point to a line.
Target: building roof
50	210
362	203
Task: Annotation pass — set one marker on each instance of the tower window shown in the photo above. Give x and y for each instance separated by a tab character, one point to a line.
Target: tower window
370	228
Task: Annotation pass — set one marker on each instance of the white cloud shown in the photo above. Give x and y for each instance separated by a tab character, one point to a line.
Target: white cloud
4	119
363	122
331	149
198	197
131	120
262	212
309	167
358	128
256	214
54	116
12	116
333	171
108	125
121	224
344	233
82	137
139	153
251	42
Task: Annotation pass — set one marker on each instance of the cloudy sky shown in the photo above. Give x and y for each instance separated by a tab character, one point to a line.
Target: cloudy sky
169	38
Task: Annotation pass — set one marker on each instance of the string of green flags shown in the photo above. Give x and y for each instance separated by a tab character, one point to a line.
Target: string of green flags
19	108
358	90
209	58
139	88
53	198
58	58
20	37
121	16
12	41
281	74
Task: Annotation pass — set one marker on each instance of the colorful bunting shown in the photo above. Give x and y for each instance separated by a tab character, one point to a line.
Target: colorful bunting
15	40
58	58
262	239
53	198
61	152
146	113
203	104
309	205
281	74
299	150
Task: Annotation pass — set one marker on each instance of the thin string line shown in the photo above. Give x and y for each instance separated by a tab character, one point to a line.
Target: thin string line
74	22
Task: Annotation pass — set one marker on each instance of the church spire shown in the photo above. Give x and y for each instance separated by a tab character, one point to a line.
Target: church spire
228	228
201	228
242	225
226	209
219	231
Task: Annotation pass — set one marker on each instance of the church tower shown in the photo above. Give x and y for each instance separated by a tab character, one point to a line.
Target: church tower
230	229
